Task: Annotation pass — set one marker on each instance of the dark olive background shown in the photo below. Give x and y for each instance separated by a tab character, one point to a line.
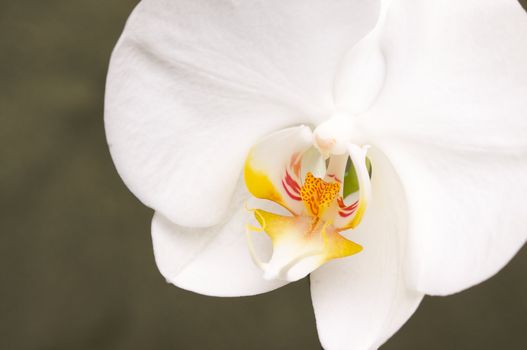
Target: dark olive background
77	269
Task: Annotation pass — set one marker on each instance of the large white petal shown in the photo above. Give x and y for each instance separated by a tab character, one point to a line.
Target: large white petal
452	118
212	261
193	84
362	300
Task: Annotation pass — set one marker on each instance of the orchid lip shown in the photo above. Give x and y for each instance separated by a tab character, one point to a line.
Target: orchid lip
311	235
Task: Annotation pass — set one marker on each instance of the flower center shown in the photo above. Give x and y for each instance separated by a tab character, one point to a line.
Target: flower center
318	195
308	181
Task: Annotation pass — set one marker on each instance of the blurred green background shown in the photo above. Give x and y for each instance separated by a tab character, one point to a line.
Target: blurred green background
77	266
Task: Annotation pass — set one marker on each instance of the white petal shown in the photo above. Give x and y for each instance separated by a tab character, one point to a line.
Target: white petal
212	261
360	301
452	120
193	84
361	77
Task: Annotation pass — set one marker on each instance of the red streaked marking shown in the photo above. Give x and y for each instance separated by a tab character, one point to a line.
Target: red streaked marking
334	177
291	186
297	198
295	162
292	183
345	207
346	211
345	215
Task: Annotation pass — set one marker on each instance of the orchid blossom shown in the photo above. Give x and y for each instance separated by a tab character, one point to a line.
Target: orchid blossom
380	147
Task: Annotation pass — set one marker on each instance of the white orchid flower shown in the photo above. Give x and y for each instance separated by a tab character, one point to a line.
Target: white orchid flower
433	93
